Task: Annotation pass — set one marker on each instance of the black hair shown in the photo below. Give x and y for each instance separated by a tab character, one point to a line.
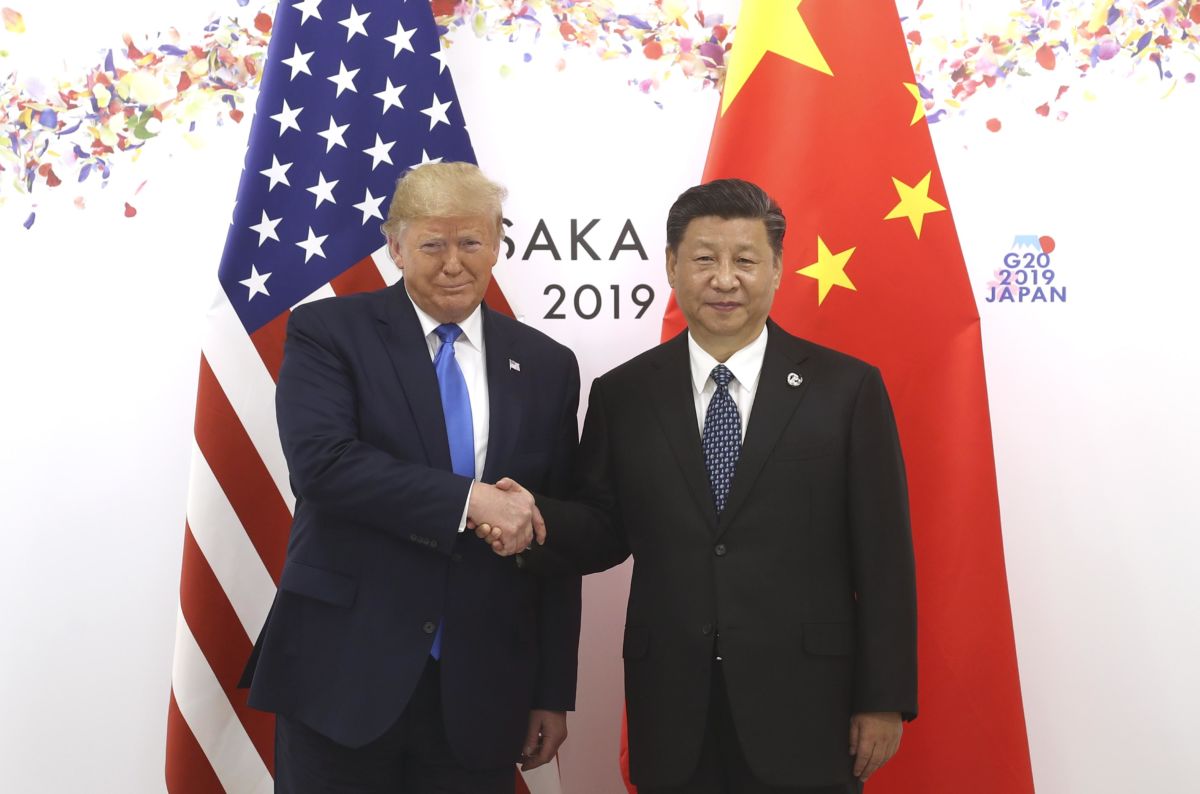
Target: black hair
727	199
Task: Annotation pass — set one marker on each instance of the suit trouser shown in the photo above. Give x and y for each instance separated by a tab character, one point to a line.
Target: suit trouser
722	768
411	757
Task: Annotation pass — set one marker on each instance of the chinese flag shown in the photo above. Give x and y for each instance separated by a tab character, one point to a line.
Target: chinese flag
820	109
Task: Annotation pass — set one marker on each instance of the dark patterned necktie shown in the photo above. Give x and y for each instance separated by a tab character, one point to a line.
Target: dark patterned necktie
722	437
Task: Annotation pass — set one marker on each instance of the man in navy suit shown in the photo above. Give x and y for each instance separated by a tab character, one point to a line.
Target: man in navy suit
401	654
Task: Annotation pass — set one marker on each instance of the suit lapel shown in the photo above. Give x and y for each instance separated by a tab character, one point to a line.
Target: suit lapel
406	347
671	395
504	423
775	400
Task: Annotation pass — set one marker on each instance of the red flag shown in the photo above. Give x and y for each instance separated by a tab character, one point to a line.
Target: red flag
820	108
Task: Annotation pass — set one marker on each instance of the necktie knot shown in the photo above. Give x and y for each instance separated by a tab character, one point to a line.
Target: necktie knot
448	333
721	376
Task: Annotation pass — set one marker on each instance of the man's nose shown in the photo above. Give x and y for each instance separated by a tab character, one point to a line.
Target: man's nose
452	263
724	277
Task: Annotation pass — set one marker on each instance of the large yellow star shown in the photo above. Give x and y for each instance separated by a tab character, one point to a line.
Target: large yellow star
829	270
768	26
914	204
919	113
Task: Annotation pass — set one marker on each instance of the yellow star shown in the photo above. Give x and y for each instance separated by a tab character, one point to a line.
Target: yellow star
768	26
829	270
919	113
914	204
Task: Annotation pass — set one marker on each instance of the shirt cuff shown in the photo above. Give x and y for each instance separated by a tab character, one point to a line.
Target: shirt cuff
462	524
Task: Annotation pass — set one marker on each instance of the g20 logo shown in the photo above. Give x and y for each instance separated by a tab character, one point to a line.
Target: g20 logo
1027	276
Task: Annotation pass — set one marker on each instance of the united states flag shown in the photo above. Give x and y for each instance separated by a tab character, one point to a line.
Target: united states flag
353	94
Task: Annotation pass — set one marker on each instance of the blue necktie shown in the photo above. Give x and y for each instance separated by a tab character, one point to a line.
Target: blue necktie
722	437
456	407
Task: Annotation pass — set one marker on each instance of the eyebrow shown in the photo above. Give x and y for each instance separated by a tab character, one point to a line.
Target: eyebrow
741	246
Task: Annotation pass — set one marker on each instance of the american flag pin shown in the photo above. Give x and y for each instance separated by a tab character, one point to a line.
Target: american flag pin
794	380
514	365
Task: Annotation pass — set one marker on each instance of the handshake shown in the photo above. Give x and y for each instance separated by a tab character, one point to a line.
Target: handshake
505	516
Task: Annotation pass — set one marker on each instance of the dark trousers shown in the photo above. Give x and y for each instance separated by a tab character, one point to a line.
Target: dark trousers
412	757
722	768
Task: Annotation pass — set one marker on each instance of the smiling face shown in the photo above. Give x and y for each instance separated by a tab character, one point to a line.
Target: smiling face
725	274
447	263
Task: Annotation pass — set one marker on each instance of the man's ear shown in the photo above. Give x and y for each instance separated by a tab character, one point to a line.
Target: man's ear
672	263
393	247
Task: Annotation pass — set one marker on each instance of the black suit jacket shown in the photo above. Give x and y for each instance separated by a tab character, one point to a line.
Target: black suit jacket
375	561
804	585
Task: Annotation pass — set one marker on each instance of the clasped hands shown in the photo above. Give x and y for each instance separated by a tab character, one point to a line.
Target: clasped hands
505	516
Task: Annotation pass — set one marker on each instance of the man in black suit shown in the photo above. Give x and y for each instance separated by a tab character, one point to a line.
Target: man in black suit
401	654
756	478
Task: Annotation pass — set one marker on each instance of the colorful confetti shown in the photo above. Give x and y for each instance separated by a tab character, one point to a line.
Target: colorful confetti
670	36
13	21
1127	38
76	129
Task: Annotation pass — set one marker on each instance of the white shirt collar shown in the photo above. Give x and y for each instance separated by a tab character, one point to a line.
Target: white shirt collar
472	327
745	364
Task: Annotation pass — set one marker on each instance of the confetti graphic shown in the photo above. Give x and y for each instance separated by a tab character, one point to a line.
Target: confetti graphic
1153	40
13	21
669	36
76	129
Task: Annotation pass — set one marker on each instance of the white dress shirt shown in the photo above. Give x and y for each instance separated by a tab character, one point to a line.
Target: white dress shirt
468	351
746	366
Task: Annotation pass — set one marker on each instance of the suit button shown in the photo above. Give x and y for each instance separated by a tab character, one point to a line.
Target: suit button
706	629
719	549
456	557
430	627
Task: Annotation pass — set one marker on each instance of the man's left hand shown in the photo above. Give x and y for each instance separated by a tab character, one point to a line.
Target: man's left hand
547	731
874	739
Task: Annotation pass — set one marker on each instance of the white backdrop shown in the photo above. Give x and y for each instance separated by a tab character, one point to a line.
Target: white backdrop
1093	399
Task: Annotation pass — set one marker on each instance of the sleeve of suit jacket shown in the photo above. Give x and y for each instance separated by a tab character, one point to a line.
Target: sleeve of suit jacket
881	548
560	590
587	532
331	468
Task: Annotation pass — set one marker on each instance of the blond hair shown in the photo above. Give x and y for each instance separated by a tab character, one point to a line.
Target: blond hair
440	190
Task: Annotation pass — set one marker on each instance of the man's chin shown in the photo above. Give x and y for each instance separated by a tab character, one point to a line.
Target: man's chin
454	308
724	323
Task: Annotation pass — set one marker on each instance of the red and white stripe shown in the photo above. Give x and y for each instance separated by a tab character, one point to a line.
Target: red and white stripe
238	517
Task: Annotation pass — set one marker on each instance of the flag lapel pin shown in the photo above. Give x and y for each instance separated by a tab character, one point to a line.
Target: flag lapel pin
515	366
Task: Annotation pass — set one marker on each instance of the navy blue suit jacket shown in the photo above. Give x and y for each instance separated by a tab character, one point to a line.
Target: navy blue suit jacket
375	560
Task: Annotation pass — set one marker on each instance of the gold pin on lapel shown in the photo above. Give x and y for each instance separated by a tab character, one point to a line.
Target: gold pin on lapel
794	380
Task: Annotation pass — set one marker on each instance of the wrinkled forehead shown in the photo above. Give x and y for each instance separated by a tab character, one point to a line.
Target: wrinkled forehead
713	230
450	226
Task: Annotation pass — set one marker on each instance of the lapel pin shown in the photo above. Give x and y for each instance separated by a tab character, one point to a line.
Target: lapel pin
794	380
514	365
